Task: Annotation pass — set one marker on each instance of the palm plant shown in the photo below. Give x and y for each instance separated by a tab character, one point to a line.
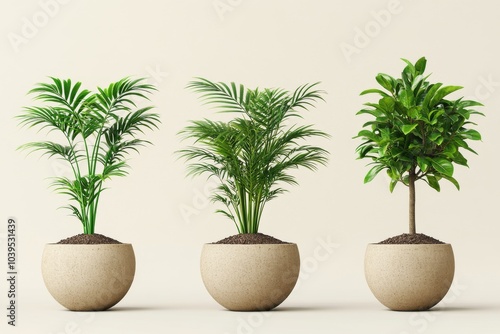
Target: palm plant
416	134
99	129
252	154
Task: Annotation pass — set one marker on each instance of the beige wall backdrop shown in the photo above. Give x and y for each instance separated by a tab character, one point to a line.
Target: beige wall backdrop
331	215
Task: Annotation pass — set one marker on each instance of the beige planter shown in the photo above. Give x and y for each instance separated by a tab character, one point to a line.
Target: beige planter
409	277
88	277
250	277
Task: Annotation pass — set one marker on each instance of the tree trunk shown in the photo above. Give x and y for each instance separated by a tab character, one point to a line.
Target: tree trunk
411	186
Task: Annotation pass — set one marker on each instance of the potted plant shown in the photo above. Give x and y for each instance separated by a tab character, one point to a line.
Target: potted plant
414	134
251	157
94	133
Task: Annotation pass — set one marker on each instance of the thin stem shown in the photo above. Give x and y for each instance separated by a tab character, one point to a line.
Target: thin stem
411	186
77	175
243	209
92	160
258	211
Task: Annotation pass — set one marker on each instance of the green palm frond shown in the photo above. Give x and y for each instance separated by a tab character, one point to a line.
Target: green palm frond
100	130
252	154
68	153
228	98
62	93
116	169
305	96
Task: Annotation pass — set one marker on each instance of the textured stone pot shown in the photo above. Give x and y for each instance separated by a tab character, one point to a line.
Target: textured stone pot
250	277
88	277
409	277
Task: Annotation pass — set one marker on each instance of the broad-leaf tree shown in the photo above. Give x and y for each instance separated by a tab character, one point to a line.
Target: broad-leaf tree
253	154
98	129
416	132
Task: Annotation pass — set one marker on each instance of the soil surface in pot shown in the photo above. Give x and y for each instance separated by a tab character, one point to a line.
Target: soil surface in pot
405	238
250	239
88	239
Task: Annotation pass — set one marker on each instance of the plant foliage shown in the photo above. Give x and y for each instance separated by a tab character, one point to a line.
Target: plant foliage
253	154
99	129
415	132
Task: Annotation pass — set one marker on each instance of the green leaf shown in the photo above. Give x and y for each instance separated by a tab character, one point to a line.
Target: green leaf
368	135
393	174
471	134
409	70
442	92
443	166
372	173
376	91
420	65
432	89
434	136
408	128
364	149
423	164
406	97
458	158
373	112
414	113
450	150
433	182
385	81
392	185
387	104
417	84
452	180
470	103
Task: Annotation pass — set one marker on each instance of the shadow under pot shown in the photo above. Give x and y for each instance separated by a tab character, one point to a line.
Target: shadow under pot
248	277
88	277
409	277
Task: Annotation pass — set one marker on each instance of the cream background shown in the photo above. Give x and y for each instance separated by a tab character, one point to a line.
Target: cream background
257	43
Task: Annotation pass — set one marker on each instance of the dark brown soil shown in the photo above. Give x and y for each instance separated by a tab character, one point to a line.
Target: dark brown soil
88	239
250	239
417	238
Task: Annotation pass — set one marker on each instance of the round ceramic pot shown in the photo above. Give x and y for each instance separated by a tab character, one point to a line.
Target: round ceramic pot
88	277
409	277
250	277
